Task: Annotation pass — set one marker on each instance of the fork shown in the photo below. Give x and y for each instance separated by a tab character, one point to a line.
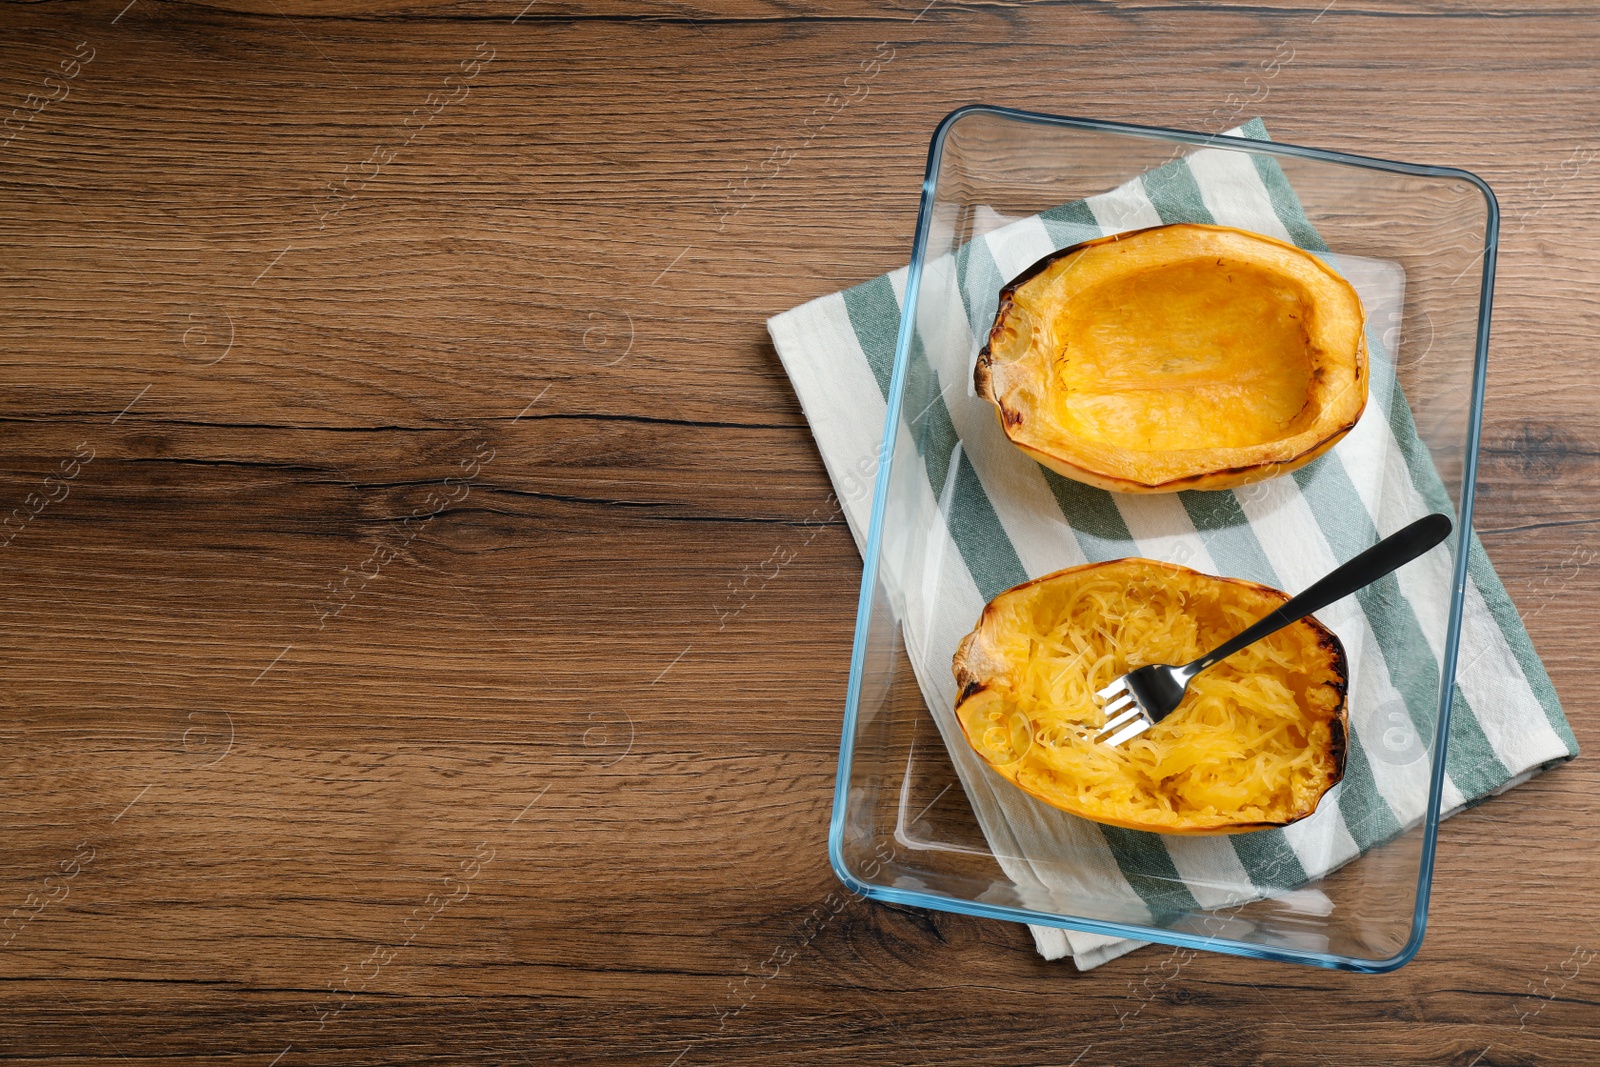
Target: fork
1144	696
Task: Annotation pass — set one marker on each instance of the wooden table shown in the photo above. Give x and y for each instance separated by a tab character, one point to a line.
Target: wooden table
370	691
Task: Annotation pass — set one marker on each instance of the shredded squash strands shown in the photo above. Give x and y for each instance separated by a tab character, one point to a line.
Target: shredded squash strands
1257	741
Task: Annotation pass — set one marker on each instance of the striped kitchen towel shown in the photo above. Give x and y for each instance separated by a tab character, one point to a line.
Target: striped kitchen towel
992	518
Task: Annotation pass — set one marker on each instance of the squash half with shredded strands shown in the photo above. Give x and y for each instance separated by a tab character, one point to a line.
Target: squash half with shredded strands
1257	742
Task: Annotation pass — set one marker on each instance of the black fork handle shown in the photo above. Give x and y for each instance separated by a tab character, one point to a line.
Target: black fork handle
1390	554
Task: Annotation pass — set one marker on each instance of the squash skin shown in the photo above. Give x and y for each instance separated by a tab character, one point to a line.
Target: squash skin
982	672
1019	367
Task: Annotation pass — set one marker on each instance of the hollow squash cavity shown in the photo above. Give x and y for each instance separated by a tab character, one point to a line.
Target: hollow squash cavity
1179	357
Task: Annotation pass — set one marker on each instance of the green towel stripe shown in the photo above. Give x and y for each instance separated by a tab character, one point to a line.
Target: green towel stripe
1255	129
974	524
1516	634
1366	815
1093	516
1286	203
1175	194
1269	859
976	272
973	521
1148	867
870	304
1412	668
938	441
1238	554
1070	224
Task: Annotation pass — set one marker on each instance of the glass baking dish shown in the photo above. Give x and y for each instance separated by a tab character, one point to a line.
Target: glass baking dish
1419	244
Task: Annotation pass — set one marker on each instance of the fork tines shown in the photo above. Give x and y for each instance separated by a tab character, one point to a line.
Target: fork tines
1125	718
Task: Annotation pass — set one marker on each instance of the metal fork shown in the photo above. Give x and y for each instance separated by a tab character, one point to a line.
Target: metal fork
1143	697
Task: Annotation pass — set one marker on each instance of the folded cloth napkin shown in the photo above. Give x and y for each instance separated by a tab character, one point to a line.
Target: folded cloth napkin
1007	519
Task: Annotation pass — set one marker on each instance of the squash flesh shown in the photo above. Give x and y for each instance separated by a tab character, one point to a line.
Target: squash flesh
1178	357
1257	741
1188	355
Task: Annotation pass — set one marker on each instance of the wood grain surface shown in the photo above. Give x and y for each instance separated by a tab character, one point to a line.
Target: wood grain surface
387	393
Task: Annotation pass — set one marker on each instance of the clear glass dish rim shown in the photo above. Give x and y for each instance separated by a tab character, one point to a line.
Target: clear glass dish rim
874	545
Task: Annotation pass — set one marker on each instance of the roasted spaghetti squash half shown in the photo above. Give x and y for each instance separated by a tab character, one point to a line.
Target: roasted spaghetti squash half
1177	357
1258	740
